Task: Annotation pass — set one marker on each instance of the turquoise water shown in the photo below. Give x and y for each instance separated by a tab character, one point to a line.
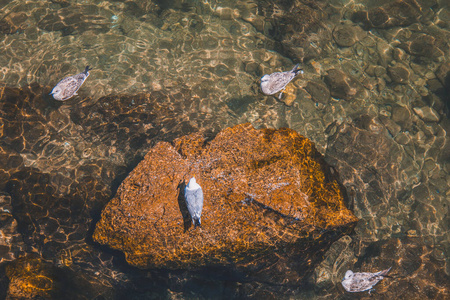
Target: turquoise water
374	97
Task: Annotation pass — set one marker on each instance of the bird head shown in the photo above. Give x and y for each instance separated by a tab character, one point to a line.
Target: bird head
192	181
56	90
265	78
348	274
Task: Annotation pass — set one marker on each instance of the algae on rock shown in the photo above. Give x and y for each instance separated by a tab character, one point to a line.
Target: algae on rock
272	206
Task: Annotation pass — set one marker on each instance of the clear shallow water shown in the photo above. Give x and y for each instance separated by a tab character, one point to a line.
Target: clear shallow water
165	69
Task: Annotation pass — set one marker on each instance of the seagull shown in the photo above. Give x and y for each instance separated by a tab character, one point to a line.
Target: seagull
68	87
194	200
275	82
360	282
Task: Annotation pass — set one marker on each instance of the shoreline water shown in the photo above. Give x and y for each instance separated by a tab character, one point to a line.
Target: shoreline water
373	98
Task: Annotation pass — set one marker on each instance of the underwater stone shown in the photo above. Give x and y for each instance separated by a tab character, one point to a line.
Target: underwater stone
302	38
13	23
401	116
341	85
443	18
399	54
374	161
318	91
402	138
426	45
30	277
268	195
345	35
443	74
398	74
391	126
391	14
11	241
378	17
374	70
427	114
434	85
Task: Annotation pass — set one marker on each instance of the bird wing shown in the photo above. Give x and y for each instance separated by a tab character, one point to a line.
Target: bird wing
199	198
194	202
70	88
359	283
277	82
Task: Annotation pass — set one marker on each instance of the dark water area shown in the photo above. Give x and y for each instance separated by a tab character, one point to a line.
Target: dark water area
374	98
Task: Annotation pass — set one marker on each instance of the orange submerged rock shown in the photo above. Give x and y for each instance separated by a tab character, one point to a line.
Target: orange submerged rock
271	205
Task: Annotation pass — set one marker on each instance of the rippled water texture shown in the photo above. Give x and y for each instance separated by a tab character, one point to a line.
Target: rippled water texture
374	97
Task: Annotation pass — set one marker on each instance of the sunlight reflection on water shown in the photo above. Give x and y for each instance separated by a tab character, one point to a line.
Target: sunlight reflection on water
373	97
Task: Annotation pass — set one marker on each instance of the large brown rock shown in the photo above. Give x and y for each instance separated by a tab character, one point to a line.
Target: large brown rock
272	206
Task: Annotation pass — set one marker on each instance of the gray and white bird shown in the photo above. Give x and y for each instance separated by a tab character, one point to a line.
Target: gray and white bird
68	87
275	82
194	200
360	282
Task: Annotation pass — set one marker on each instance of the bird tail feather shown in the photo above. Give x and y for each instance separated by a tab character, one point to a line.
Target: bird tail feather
384	272
196	222
87	70
297	70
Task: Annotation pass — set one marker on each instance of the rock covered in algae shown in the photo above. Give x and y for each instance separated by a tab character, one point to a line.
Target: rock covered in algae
271	206
30	277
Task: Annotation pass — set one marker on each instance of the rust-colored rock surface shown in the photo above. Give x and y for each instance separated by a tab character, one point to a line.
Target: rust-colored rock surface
272	206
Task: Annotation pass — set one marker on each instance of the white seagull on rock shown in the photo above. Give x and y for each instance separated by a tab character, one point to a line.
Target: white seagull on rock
194	200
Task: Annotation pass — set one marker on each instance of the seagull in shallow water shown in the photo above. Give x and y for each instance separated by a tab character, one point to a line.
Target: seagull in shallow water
275	82
68	87
194	200
360	282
